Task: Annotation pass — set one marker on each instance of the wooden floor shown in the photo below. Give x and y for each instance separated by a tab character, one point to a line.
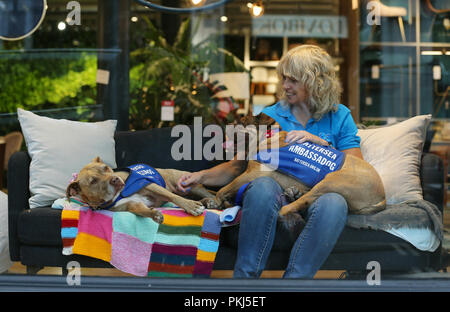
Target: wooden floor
18	268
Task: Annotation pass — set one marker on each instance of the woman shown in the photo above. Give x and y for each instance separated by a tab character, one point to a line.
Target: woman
308	111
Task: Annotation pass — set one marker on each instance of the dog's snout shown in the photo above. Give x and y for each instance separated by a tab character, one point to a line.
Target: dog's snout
115	181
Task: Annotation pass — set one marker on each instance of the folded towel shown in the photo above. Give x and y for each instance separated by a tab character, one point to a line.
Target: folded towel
230	216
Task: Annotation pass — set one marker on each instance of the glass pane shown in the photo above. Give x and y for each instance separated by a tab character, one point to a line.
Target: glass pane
392	57
388	21
59	83
435	85
266	49
435	21
387	82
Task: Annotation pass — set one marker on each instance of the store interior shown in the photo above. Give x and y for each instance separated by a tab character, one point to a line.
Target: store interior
392	56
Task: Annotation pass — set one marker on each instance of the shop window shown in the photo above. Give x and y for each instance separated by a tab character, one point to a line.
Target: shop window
404	73
388	79
435	85
388	21
392	67
266	49
234	44
54	83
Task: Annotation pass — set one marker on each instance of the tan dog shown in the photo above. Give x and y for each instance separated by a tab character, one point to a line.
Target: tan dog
357	181
99	186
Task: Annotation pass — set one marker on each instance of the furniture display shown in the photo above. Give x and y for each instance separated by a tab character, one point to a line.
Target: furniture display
238	86
382	10
5	261
35	234
9	144
2	157
13	142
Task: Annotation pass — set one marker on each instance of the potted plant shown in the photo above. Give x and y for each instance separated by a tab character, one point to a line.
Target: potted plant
177	72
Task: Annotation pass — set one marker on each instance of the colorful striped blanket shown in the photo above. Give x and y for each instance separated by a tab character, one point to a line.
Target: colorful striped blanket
182	246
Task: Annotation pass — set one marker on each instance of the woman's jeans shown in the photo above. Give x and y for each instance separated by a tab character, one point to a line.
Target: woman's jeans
325	220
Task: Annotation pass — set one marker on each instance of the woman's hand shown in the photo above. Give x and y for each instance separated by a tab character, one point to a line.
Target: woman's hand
188	180
301	136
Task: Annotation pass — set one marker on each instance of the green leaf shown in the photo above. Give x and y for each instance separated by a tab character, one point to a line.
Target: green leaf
183	39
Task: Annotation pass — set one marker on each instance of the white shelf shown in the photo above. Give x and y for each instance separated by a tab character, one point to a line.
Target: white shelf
263	63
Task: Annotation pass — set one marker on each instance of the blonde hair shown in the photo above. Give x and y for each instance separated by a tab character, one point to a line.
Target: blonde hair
313	68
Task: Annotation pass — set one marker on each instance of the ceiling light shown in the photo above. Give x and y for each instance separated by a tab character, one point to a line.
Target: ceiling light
431	53
257	9
61	25
197	2
224	18
197	6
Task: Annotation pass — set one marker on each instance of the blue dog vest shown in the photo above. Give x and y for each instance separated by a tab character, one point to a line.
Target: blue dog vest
307	162
140	176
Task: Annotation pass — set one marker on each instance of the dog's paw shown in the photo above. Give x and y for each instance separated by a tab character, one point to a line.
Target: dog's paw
292	193
194	208
210	203
158	217
292	220
286	209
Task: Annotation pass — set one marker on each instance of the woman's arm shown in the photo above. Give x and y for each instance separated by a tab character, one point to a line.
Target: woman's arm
219	175
300	136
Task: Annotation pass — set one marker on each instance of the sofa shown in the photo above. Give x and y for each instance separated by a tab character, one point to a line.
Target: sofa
35	234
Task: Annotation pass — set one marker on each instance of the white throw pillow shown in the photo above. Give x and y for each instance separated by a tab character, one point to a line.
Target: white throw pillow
60	147
395	151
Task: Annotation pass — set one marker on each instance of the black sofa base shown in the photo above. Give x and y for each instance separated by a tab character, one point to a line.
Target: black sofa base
413	261
41	246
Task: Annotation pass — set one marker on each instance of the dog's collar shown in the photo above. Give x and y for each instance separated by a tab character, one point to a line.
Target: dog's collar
270	133
107	207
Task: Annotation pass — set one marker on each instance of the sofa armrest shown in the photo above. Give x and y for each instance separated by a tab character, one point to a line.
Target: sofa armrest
18	195
432	177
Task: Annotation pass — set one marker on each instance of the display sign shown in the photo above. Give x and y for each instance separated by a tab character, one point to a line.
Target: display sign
317	26
167	110
102	76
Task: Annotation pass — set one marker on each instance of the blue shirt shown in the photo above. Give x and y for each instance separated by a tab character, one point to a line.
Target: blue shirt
338	127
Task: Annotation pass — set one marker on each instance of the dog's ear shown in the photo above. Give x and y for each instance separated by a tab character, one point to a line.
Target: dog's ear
246	120
260	119
73	189
265	119
97	159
